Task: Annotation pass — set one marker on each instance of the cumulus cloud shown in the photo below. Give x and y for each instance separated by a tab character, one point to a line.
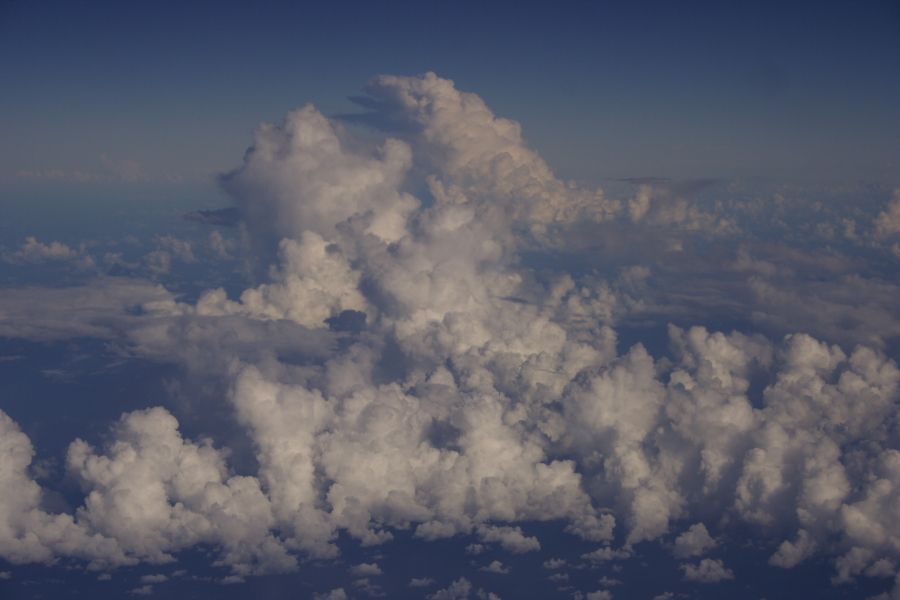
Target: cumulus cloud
693	542
496	567
27	532
157	493
335	594
458	590
33	251
707	571
510	538
888	221
474	392
364	569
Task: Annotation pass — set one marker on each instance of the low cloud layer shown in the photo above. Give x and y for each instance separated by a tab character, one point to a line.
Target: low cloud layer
485	383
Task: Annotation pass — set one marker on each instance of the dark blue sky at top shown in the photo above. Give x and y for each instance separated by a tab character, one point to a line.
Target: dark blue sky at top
791	91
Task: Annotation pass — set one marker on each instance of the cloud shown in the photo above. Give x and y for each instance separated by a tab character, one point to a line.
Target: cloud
510	538
888	221
458	590
144	590
496	567
364	569
476	389
335	594
554	563
27	532
707	571
32	251
157	493
693	542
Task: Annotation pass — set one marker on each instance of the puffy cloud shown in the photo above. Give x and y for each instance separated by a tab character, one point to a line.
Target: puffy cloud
606	553
496	567
693	542
33	251
364	569
144	590
510	538
156	493
315	283
335	594
458	590
888	221
554	563
27	532
298	177
707	571
792	553
479	155
475	393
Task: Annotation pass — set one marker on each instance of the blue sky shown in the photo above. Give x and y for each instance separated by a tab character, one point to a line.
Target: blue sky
604	89
450	301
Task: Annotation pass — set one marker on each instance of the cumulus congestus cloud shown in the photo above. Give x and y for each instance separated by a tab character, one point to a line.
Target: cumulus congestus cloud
475	393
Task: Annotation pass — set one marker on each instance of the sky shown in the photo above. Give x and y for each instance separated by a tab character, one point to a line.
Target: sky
454	301
799	90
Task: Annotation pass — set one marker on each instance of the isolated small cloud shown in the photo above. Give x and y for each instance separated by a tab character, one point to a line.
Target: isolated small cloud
496	567
335	594
554	563
364	569
605	554
693	542
707	571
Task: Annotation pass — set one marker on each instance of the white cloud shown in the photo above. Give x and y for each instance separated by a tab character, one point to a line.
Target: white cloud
364	569
144	590
157	493
478	394
606	553
707	570
693	542
554	563
458	590
335	594
888	221
33	251
511	539
496	567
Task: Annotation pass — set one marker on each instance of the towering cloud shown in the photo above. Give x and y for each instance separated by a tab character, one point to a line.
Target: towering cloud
473	392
